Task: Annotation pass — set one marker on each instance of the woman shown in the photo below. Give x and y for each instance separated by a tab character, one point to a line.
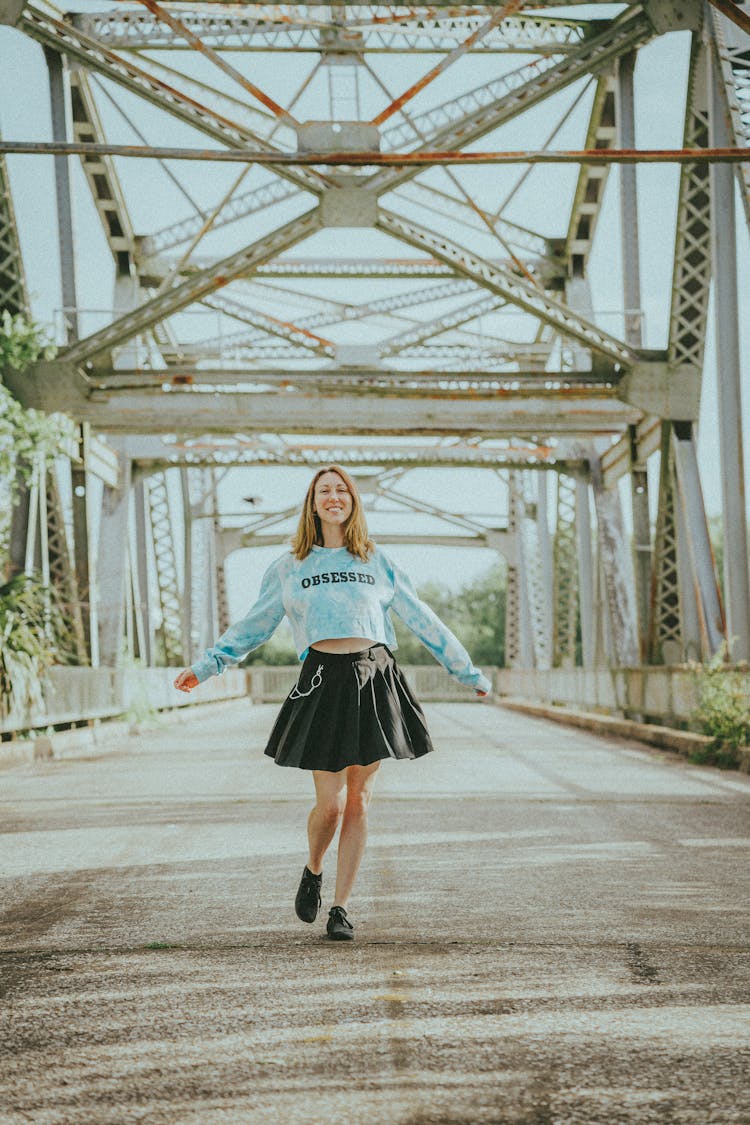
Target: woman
351	706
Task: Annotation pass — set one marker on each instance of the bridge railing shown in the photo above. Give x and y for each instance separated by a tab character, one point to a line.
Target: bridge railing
272	684
74	695
664	694
668	695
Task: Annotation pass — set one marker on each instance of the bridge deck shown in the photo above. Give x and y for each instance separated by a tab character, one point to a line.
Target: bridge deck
550	928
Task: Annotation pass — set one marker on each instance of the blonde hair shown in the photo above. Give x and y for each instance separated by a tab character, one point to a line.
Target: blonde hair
309	533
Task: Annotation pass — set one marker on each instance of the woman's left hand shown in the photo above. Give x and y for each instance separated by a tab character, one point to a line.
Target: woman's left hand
481	694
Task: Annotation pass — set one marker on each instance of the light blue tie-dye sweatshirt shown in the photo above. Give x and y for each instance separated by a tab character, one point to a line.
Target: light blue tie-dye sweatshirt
330	594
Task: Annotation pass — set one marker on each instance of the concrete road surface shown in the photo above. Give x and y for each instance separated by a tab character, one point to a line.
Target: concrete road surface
550	928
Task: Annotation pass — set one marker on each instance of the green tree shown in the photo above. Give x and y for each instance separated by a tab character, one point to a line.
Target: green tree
27	437
34	629
475	613
34	633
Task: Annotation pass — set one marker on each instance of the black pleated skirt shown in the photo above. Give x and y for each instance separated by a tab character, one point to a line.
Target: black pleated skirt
348	709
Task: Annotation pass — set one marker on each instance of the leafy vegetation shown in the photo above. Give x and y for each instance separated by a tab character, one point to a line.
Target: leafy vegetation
34	634
723	710
475	613
28	438
22	342
34	631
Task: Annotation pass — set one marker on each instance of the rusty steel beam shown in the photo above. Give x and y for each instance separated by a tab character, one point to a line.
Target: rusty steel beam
155	452
66	39
728	155
365	30
158	308
561	318
733	12
476	382
197	44
476	36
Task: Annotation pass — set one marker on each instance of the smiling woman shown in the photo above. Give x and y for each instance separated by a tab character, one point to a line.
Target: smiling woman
351	707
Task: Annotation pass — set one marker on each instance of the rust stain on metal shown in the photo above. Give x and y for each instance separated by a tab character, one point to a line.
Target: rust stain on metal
733	12
288	324
156	83
729	155
198	45
475	37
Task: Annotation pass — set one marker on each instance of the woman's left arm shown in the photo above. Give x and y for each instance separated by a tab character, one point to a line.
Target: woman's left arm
434	633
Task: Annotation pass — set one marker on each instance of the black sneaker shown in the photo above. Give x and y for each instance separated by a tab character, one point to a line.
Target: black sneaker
307	902
339	928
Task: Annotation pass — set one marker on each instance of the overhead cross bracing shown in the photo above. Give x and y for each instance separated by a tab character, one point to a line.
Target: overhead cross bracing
418	299
360	31
15	299
465	115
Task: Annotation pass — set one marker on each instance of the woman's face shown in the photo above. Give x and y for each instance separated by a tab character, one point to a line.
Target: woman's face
332	500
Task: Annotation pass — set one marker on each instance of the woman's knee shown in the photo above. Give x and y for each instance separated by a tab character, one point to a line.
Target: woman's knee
330	806
359	789
357	803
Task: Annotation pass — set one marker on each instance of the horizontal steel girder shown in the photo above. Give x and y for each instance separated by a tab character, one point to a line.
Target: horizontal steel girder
423	159
152	271
237	541
361	380
227	359
236	31
152	451
555	410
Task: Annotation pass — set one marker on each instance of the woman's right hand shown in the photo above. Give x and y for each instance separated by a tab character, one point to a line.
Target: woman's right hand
186	680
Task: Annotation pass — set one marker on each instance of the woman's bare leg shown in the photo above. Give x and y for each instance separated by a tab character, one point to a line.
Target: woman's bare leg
326	814
360	781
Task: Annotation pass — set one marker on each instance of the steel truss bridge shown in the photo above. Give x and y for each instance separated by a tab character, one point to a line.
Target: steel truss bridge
375	298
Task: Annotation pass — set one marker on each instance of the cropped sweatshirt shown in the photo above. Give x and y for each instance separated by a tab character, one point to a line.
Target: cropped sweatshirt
331	594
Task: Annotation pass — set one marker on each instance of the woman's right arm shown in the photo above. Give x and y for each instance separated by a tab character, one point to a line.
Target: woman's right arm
256	626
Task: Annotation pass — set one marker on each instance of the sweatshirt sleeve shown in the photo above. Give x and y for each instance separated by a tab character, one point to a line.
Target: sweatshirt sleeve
256	626
432	632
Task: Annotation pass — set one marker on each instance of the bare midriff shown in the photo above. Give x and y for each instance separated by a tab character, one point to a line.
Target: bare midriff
343	644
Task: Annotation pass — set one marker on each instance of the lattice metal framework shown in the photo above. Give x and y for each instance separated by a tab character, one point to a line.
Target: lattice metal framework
687	334
13	295
497	345
535	585
355	33
692	267
165	557
666	621
61	568
565	572
514	647
733	52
